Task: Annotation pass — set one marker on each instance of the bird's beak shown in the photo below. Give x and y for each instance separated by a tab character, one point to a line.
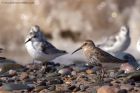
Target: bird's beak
27	40
77	49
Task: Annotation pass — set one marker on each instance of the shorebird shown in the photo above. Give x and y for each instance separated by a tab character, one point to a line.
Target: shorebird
39	48
138	45
118	43
97	55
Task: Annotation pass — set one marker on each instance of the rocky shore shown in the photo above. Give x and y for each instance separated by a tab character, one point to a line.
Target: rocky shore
57	78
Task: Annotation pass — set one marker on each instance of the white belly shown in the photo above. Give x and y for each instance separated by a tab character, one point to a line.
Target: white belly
39	55
119	46
138	46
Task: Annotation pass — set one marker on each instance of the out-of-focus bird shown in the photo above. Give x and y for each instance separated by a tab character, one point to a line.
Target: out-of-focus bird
138	45
39	48
118	43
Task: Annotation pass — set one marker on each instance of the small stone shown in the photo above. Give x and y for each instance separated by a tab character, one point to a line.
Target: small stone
76	89
65	71
107	80
137	84
82	87
2	91
44	91
72	87
6	65
13	86
112	74
52	88
93	90
23	76
89	71
73	73
96	68
12	72
107	89
127	68
55	81
122	91
127	87
39	88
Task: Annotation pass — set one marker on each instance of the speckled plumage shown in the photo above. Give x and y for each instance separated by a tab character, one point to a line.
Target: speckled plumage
95	54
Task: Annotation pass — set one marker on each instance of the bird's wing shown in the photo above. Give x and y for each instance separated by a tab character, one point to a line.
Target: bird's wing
106	57
107	42
48	48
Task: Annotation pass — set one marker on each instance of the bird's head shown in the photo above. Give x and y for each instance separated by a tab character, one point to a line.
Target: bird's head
33	33
86	44
124	30
35	28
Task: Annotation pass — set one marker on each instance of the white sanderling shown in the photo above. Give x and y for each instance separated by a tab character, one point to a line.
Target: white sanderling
118	43
39	48
138	45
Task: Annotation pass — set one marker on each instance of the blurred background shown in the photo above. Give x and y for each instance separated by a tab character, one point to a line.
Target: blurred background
66	23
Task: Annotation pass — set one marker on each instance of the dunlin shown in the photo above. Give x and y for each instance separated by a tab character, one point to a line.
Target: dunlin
118	43
97	55
39	48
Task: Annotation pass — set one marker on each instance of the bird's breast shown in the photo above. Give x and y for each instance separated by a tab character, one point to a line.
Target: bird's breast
30	49
88	52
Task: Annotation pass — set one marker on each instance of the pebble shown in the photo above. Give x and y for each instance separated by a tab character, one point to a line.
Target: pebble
122	91
13	86
72	87
4	67
137	84
55	81
82	87
107	80
126	86
44	91
127	68
52	88
12	72
2	91
107	89
96	68
65	71
23	76
74	73
39	88
89	71
112	74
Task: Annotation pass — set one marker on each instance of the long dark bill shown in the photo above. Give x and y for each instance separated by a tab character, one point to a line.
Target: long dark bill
27	40
77	50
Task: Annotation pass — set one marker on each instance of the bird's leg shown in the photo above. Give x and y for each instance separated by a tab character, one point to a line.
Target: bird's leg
102	71
33	62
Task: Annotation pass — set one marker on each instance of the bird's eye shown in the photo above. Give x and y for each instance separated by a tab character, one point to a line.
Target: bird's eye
35	36
85	44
